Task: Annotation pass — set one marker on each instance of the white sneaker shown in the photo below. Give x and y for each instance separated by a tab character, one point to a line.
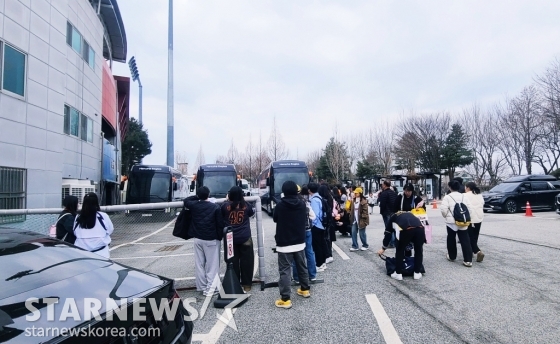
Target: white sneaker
417	276
329	260
354	249
321	268
364	248
396	276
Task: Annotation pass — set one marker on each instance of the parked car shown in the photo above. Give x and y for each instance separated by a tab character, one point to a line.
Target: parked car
558	204
36	266
246	187
513	194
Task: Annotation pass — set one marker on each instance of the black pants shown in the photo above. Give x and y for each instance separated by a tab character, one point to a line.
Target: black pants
319	245
328	242
417	237
465	244
244	261
474	231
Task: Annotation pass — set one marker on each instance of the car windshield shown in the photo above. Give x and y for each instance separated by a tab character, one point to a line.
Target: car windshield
148	187
505	187
219	183
300	176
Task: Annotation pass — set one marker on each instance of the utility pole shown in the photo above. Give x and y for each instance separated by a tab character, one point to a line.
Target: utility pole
170	132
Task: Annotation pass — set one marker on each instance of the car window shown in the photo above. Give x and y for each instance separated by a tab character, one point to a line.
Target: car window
527	186
539	186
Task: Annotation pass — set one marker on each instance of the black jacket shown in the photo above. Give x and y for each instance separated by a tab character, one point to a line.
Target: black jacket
290	216
404	220
407	202
65	227
239	220
207	222
387	199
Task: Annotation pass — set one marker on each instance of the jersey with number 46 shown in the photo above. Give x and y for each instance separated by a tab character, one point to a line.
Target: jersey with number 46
239	220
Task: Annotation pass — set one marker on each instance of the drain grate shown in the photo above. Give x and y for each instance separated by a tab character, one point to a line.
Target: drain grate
168	248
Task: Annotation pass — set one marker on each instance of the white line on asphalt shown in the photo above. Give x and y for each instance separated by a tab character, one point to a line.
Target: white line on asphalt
184	278
158	243
144	237
147	257
256	265
389	333
341	253
216	332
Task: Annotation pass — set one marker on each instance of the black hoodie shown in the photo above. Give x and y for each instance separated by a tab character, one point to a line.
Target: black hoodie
290	216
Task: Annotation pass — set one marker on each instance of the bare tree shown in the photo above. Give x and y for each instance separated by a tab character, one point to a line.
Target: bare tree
549	145
248	161
357	149
276	147
261	156
313	160
337	158
200	160
182	162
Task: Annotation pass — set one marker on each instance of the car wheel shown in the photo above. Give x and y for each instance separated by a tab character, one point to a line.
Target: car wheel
510	206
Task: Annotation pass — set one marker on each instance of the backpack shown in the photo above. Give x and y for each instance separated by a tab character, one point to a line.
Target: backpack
326	217
461	214
181	229
308	222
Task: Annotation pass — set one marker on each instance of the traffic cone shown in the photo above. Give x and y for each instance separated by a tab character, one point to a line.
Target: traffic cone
528	211
230	286
434	204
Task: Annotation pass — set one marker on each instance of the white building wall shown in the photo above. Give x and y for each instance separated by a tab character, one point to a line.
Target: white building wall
32	129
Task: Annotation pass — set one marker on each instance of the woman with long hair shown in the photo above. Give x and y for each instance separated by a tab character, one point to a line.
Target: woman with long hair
359	218
472	192
93	228
237	214
65	221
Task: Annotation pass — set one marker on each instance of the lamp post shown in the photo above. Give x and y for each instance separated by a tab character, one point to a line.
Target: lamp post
170	120
136	77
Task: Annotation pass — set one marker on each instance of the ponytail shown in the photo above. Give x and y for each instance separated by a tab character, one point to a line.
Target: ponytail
472	186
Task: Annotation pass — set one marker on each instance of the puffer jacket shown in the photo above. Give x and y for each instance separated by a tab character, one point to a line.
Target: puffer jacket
477	203
363	214
448	204
207	221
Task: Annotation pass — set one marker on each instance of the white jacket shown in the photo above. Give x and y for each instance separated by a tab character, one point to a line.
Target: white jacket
477	203
448	204
96	238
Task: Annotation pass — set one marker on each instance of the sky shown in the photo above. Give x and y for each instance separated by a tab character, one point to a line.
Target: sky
320	65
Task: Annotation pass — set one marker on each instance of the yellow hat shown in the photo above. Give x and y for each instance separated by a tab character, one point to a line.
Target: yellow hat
359	190
298	188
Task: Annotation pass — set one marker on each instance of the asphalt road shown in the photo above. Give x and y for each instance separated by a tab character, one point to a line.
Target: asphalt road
511	297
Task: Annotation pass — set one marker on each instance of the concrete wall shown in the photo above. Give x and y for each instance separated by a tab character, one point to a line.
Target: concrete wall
31	129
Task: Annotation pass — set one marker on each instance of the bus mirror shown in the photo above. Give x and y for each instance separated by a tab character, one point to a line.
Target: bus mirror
267	181
174	186
239	182
192	186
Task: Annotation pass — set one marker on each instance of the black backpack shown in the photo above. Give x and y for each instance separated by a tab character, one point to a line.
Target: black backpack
461	214
326	217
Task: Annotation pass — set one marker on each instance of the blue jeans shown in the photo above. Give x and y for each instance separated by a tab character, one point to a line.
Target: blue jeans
363	237
310	256
385	219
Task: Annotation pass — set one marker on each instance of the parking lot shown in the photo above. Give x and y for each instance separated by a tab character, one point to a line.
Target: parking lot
511	297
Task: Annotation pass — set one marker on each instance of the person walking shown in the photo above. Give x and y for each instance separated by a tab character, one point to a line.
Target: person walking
410	231
472	192
93	228
318	231
359	217
65	221
207	229
237	214
309	254
407	200
387	199
453	230
290	216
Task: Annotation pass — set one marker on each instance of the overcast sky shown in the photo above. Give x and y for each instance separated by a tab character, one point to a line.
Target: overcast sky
313	64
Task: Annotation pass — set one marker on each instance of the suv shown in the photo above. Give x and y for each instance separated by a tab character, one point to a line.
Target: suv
513	194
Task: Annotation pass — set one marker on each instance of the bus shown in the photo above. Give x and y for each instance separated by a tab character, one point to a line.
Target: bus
219	178
270	180
154	184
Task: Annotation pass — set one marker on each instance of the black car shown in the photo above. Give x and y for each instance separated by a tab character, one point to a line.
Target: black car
36	266
513	194
558	204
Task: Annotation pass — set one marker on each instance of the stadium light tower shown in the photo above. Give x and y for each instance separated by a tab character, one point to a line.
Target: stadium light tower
136	77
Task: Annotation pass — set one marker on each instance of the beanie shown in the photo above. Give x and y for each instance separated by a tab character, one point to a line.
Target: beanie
289	188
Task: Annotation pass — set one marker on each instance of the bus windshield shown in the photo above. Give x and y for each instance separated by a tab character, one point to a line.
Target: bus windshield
300	176
148	187
219	183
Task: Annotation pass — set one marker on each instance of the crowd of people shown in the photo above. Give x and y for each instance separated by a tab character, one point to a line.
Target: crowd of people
307	219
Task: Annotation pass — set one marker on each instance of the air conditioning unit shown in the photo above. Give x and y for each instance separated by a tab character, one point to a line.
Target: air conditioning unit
76	187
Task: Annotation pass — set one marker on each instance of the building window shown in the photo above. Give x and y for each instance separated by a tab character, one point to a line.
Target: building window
77	124
13	70
76	41
12	192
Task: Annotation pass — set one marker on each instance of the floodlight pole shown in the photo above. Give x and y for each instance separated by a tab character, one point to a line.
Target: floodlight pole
170	136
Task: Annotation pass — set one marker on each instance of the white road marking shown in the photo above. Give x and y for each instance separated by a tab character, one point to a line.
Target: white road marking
148	257
256	265
341	253
144	237
188	278
215	333
159	243
389	333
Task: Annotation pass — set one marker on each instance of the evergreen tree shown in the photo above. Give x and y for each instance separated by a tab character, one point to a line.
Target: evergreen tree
135	146
455	151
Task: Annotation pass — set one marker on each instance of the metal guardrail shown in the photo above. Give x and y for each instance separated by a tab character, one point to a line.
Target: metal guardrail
41	225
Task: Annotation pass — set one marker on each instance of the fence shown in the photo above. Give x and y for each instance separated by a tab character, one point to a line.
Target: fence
142	237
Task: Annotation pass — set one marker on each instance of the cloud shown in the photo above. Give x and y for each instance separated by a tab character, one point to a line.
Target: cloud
318	64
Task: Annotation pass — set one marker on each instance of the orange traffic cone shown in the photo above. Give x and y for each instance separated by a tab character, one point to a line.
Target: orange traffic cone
434	204
528	211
